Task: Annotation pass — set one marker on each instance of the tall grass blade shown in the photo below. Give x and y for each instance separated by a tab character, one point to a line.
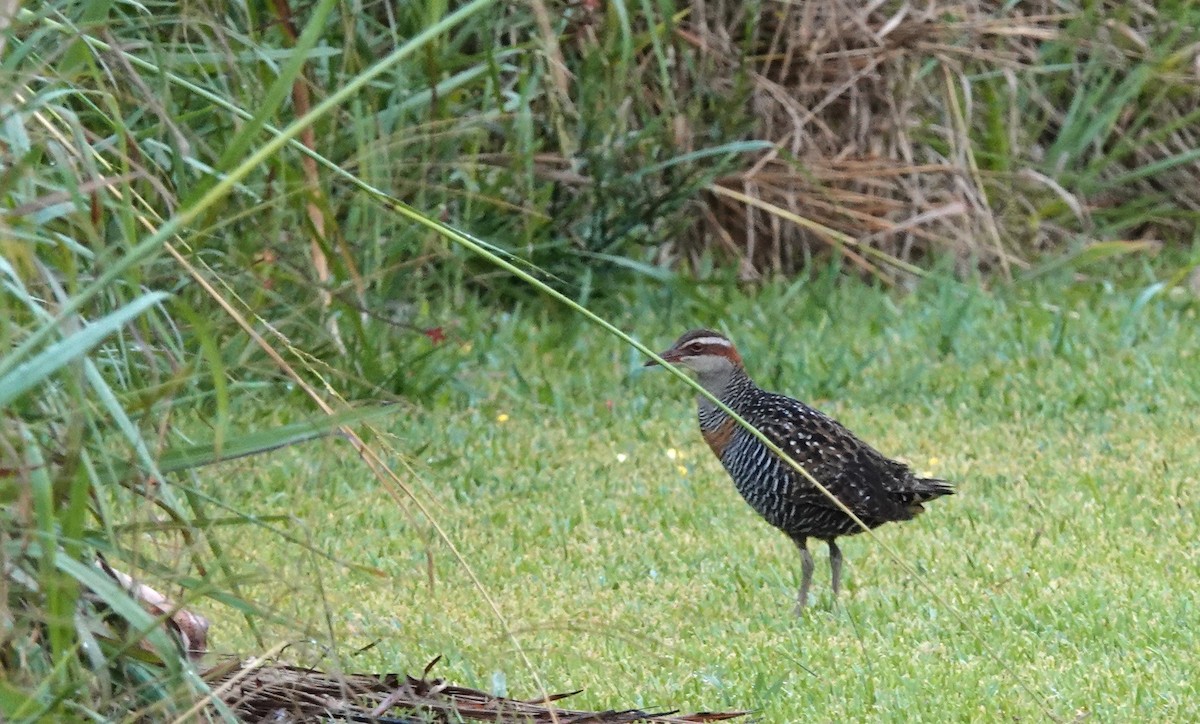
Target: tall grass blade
17	378
280	86
262	441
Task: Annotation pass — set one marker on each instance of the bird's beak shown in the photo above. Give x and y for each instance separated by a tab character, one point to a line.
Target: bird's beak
669	356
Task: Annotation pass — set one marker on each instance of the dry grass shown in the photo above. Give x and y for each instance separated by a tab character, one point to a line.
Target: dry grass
265	691
924	129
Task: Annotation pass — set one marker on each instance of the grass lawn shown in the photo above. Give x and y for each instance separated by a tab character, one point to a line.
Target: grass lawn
579	491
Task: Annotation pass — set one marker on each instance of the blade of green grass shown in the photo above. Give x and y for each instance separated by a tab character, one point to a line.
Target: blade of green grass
261	441
725	149
1090	254
17	378
277	92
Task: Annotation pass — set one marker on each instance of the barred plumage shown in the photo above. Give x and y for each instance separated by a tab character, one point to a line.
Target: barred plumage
879	490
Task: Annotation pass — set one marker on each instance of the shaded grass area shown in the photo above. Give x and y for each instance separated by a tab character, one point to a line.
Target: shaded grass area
578	489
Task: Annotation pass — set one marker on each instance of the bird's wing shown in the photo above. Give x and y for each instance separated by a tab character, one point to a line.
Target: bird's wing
857	474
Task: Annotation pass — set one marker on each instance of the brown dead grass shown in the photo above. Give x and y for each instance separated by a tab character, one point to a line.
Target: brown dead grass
260	691
873	111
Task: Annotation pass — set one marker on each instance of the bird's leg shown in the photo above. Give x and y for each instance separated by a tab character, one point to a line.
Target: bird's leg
806	570
835	566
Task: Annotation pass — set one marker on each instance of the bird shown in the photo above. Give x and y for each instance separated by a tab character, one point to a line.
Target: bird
876	488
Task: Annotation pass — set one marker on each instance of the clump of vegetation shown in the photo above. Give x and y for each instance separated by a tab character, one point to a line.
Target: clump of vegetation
992	133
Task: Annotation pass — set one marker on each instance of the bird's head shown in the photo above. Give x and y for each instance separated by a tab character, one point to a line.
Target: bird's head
707	353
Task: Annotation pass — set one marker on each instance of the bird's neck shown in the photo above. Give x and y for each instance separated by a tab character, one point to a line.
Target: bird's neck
725	384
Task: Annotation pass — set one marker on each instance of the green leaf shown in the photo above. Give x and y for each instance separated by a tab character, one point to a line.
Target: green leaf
722	150
20	378
195	456
280	87
1091	254
13	700
659	273
123	605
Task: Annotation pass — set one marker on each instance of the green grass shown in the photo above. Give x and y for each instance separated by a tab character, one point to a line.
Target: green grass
1066	412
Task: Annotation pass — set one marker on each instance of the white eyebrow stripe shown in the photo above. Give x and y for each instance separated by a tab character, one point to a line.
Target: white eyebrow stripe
718	341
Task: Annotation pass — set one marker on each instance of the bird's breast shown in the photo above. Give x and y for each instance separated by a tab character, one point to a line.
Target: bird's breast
719	435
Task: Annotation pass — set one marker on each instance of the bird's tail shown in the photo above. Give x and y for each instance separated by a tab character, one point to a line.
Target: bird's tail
923	490
926	489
